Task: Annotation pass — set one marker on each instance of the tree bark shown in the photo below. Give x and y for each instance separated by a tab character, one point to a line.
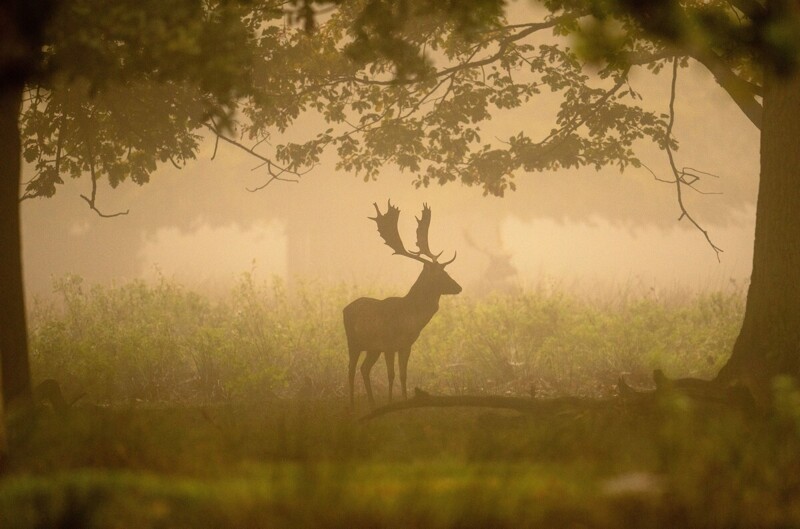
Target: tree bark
768	344
16	381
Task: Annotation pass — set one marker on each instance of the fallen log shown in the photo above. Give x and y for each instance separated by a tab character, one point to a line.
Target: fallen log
701	391
423	399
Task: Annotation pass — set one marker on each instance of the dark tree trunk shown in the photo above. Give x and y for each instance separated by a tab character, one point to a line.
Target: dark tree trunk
21	31
769	341
16	382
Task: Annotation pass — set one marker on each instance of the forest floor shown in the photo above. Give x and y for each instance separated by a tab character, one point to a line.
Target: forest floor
311	463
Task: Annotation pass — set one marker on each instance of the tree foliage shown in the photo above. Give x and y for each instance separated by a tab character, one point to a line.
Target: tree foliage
424	109
415	83
124	86
411	84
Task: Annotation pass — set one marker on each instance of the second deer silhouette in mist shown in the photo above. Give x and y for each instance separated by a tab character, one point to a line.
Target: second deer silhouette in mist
392	325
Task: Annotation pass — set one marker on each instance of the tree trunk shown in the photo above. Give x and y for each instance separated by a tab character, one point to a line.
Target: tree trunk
769	341
16	380
3	434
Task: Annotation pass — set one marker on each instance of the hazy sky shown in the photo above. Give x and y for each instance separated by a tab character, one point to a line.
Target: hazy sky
202	227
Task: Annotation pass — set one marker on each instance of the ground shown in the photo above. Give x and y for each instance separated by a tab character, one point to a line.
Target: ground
311	463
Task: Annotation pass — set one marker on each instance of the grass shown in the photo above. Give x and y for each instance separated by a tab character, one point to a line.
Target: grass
293	463
164	343
230	412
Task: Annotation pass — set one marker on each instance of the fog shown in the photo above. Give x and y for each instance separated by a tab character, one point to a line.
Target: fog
584	229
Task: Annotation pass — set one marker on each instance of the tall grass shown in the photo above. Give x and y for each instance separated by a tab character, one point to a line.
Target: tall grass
165	343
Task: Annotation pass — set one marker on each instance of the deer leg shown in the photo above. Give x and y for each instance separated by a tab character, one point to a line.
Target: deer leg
366	367
389	357
351	375
403	361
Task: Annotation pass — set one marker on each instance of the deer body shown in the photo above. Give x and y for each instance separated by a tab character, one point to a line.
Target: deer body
389	324
392	325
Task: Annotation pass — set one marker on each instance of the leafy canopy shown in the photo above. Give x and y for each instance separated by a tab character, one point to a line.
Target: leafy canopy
414	88
415	83
122	86
411	83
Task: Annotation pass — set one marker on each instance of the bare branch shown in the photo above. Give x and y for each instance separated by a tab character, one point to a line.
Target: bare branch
27	195
655	176
216	146
271	166
273	177
171	159
62	125
688	172
91	201
679	177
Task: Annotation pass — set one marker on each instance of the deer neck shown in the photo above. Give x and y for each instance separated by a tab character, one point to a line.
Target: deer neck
423	298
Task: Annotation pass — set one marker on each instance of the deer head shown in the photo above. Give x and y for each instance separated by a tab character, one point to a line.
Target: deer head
434	278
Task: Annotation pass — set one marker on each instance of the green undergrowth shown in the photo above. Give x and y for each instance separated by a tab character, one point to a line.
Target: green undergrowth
165	343
295	463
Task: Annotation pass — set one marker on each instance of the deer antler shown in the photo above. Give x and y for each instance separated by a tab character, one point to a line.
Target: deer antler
422	237
387	228
422	233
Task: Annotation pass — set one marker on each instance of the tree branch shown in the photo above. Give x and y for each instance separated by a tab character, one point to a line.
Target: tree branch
91	201
574	124
679	177
750	8
503	45
423	399
741	92
708	393
275	171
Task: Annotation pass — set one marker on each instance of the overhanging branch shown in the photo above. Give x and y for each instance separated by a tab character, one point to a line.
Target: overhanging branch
742	92
91	201
276	172
502	43
679	176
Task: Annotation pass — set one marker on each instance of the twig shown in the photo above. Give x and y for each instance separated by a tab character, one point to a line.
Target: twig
679	181
271	166
216	146
91	201
174	163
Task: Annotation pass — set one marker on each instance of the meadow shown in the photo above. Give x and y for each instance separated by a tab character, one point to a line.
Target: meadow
229	411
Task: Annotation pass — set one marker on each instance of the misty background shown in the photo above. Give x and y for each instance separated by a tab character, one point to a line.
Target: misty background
582	229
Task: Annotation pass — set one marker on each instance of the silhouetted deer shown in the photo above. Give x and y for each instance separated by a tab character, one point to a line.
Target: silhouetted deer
392	325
